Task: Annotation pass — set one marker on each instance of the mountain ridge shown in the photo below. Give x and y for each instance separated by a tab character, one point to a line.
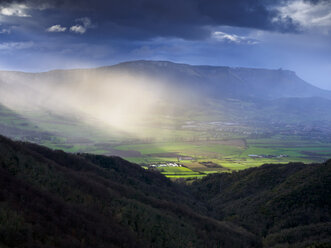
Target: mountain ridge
238	76
229	81
154	95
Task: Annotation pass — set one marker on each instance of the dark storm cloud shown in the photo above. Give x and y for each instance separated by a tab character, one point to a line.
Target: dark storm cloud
317	1
188	19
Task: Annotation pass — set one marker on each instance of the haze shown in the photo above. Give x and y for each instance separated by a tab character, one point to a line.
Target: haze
108	100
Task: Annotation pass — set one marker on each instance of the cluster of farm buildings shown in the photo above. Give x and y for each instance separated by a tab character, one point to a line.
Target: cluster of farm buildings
166	165
267	156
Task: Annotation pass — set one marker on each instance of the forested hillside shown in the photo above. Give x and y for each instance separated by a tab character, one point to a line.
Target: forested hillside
54	199
286	205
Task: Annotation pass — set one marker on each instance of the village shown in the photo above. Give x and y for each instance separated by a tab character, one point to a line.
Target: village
267	156
165	165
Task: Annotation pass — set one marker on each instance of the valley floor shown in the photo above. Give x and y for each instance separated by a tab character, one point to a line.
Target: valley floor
200	147
200	158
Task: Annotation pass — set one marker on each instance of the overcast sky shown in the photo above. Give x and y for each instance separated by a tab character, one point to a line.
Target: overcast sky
40	35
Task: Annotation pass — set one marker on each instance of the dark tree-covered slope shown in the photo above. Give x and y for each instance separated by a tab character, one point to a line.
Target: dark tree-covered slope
286	205
53	199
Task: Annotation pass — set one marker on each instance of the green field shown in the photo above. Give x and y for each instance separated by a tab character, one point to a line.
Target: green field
228	155
202	149
180	172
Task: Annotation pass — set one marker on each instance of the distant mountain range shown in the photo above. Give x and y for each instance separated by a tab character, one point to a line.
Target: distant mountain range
55	199
222	81
219	81
150	93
